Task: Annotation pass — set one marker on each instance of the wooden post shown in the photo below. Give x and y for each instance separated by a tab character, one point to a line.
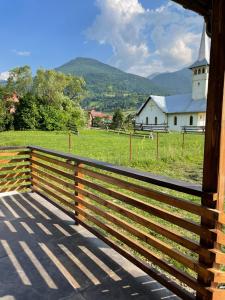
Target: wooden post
157	145
130	146
183	143
77	173
214	154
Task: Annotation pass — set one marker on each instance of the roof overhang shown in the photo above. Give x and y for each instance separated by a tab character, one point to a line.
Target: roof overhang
202	7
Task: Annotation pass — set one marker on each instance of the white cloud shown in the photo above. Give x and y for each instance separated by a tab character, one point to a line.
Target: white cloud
21	53
145	41
4	75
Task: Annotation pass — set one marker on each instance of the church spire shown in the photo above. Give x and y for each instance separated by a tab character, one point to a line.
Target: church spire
204	51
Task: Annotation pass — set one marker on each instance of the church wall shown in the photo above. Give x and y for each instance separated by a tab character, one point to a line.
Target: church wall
201	119
151	111
182	120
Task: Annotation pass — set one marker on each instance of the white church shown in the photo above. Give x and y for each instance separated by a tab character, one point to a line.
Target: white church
181	110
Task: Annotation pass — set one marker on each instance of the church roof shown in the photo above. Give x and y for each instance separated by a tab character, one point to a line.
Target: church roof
204	51
176	104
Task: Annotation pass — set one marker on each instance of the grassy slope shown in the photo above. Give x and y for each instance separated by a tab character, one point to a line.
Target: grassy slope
114	148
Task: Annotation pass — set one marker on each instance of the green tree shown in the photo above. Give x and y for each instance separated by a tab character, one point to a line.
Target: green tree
118	118
27	113
19	81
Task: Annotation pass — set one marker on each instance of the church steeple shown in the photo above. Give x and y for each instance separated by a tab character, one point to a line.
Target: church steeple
200	69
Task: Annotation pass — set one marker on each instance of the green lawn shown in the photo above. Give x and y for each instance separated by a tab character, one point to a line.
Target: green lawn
114	148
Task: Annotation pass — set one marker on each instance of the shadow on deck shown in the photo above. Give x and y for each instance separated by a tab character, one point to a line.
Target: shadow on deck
43	255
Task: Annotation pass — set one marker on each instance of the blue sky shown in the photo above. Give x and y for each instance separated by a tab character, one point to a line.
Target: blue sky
138	36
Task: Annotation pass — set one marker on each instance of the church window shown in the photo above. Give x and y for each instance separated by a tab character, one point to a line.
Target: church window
199	71
203	70
196	72
175	120
156	120
191	120
146	120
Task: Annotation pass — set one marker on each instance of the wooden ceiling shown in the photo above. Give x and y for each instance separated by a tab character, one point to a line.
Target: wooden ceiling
202	7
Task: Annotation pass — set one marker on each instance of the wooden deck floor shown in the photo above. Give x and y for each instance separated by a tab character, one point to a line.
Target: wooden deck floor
43	255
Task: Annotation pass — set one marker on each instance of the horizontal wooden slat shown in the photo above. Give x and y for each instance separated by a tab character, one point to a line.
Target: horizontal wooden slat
16	186
154	242
53	186
163	181
52	169
21	153
186	224
14	179
14	168
53	178
44	188
13	161
154	258
52	160
158	196
160	229
17	148
13	176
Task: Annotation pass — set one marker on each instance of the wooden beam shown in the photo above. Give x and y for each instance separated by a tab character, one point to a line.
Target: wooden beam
201	7
214	155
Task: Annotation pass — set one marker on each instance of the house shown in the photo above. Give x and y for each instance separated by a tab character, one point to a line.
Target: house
99	117
181	110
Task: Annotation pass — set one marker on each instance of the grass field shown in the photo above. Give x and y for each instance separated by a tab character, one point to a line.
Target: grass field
110	147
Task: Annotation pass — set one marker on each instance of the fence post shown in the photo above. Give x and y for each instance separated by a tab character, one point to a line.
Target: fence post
69	141
30	167
183	143
157	145
80	186
130	146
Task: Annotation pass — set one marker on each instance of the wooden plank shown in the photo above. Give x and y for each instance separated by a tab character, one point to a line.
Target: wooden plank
52	169
13	161
160	229
53	186
52	160
162	181
14	167
201	7
53	178
13	176
147	238
154	258
16	186
214	152
51	192
21	148
186	224
12	180
21	153
156	195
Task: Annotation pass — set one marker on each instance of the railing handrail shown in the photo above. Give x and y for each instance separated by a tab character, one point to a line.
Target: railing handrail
163	181
12	147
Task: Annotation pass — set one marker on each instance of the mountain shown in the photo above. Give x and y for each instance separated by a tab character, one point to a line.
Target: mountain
103	78
179	82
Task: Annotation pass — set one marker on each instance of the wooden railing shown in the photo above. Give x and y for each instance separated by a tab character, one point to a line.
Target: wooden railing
153	221
14	169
